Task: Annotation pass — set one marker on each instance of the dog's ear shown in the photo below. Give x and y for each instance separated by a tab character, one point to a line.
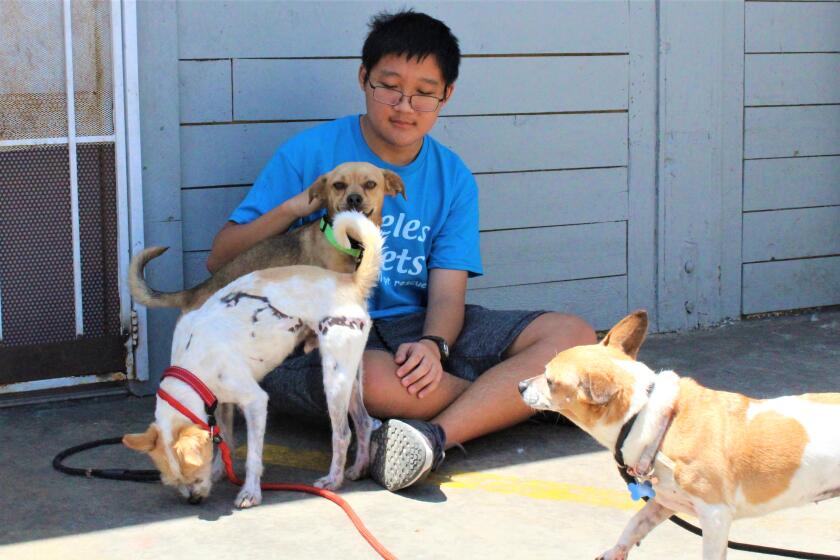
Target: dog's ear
318	189
629	333
189	445
393	184
596	389
144	442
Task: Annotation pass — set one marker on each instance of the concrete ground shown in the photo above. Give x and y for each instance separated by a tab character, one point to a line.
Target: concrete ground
539	490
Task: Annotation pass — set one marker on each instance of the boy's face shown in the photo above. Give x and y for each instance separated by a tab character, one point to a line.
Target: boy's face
401	128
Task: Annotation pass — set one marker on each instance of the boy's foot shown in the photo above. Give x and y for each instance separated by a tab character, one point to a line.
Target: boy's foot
402	452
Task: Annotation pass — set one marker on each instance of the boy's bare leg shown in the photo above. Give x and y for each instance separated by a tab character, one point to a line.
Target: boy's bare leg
386	397
492	402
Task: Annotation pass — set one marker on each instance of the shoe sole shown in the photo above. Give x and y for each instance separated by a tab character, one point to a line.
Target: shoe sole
402	456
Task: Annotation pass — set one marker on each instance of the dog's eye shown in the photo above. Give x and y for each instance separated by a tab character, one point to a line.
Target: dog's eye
339	185
369	185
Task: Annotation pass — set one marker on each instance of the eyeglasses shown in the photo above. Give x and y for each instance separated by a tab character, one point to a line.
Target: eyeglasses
393	97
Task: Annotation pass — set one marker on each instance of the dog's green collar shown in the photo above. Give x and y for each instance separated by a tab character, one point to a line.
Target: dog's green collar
326	227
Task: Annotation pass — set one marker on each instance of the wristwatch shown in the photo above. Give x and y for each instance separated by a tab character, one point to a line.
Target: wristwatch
443	347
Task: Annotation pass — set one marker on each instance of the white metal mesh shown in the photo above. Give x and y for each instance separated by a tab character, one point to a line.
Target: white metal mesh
33	98
92	74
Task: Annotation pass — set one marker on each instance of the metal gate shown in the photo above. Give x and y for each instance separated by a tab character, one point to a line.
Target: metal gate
65	316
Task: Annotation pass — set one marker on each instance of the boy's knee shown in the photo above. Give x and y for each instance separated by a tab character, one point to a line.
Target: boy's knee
565	330
378	373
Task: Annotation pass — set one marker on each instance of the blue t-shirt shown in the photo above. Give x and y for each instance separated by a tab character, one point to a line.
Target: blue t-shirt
436	227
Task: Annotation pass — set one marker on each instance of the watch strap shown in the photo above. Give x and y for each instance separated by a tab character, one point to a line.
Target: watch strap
443	347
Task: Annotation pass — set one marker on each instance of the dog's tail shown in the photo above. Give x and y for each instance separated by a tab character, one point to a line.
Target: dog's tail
142	293
357	226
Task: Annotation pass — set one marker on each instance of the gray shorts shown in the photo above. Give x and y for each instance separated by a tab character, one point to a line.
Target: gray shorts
297	388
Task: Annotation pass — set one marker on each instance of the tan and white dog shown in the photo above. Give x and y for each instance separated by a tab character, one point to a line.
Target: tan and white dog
241	333
712	454
357	186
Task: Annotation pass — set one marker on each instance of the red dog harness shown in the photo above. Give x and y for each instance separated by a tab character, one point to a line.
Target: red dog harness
210	400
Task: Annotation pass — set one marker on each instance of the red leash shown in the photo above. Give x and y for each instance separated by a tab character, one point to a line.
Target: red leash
210	404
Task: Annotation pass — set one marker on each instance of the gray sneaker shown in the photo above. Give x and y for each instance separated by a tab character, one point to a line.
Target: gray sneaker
403	452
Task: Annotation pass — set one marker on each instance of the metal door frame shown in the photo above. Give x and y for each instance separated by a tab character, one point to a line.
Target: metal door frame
126	139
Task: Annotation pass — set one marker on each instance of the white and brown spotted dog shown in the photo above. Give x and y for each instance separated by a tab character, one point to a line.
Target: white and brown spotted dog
354	185
241	333
712	454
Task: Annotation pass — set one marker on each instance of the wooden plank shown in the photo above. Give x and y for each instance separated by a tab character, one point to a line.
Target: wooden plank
731	161
700	110
205	212
600	301
779	27
792	79
551	198
775	286
231	154
216	29
529	256
536	142
235	154
792	234
157	40
791	131
296	89
642	180
791	183
540	85
205	91
272	89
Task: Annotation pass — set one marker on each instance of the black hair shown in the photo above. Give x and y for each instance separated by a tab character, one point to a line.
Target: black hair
415	35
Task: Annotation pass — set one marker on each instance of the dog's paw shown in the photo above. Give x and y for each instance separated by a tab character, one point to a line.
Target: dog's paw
328	483
356	472
248	497
615	553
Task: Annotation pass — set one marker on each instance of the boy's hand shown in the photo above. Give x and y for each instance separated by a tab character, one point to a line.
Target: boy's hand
300	206
420	369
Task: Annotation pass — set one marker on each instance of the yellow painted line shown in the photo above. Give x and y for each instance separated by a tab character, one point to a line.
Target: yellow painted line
288	457
484	481
535	489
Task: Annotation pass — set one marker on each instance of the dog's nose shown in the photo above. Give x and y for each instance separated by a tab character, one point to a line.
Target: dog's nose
523	386
354	201
194	499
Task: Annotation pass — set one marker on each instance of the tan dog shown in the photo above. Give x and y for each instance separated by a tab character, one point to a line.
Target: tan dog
355	186
712	454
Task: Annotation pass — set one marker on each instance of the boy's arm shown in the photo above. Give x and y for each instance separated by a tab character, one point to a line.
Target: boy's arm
420	368
445	308
235	238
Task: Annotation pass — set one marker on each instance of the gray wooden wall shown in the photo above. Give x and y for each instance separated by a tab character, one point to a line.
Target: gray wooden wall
684	161
791	222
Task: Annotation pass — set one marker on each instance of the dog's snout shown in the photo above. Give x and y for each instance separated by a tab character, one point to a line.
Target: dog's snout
523	386
354	201
194	499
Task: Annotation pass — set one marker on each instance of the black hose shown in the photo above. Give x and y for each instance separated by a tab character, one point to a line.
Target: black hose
757	548
112	474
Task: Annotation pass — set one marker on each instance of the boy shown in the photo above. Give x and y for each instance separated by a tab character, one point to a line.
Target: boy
435	398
